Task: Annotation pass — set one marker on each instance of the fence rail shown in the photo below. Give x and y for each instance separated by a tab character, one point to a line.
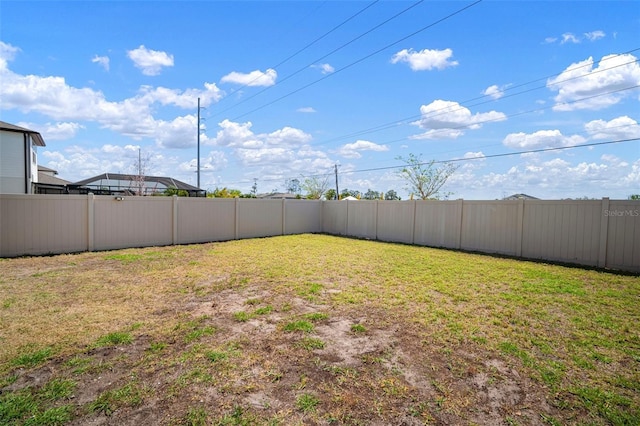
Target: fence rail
601	233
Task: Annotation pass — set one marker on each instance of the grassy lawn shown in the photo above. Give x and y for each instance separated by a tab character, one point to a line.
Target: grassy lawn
314	329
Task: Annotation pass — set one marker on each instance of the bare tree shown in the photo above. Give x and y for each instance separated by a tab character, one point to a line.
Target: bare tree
140	170
315	187
425	179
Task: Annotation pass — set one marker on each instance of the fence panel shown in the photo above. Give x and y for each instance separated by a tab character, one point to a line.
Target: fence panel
623	242
564	231
437	223
302	216
490	227
259	218
334	217
42	224
205	219
361	218
395	221
132	222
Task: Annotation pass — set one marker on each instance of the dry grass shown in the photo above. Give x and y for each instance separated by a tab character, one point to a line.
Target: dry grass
433	333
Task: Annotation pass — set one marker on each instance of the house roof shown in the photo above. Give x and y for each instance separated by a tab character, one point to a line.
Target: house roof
166	181
47	176
37	137
278	195
520	197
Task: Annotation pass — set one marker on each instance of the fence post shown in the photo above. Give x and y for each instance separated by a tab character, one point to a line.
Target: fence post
376	221
604	230
520	227
174	236
461	210
283	215
90	222
235	220
413	231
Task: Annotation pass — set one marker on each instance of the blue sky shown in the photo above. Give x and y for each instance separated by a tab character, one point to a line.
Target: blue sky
289	89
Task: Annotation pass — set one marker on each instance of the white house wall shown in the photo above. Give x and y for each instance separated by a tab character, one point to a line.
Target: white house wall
12	163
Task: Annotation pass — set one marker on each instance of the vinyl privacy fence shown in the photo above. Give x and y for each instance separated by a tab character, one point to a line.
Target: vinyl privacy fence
601	233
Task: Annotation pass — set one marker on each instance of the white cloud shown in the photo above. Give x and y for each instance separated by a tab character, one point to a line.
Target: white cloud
352	150
541	139
60	131
595	86
52	97
425	59
448	119
306	110
254	78
150	62
240	135
619	128
550	40
324	68
103	61
594	35
494	91
569	38
7	54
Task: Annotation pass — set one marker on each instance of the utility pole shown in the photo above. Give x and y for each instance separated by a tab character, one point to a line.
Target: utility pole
337	193
198	143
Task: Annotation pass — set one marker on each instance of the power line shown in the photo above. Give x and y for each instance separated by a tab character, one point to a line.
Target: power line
315	61
453	160
359	60
293	55
464	104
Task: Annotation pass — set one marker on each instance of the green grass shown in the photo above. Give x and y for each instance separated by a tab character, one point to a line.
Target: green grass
568	332
114	339
300	325
129	395
307	402
32	359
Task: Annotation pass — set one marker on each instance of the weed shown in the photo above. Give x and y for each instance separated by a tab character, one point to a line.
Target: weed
114	339
55	416
238	417
316	316
358	328
241	316
33	358
198	333
215	356
310	343
253	302
129	395
196	417
57	389
307	402
16	405
265	310
156	347
300	325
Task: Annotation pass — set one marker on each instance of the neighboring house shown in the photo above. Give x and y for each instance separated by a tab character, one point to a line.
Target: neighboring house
18	159
278	196
349	198
520	197
120	184
49	183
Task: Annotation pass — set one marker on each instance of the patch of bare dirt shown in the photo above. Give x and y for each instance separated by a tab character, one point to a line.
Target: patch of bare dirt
255	372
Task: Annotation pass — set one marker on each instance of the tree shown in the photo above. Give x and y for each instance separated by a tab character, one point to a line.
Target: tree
350	193
634	197
292	186
315	187
425	179
141	168
254	188
224	193
391	195
171	191
371	195
330	194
